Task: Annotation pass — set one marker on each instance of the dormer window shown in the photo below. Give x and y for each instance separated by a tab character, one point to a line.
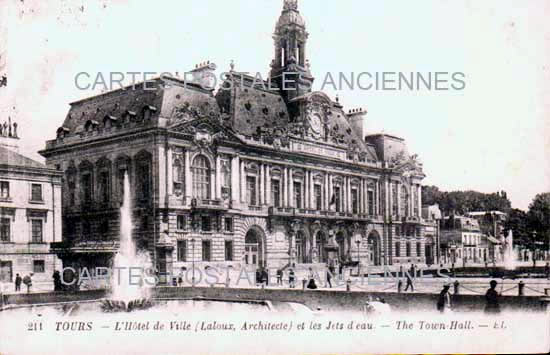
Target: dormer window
109	121
128	116
62	132
90	125
148	111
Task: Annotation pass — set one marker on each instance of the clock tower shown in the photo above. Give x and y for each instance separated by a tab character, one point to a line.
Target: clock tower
290	67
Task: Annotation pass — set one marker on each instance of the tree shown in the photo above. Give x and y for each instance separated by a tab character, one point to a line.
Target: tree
538	217
519	224
430	195
462	202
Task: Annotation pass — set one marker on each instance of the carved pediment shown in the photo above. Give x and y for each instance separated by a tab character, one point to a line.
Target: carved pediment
406	165
187	112
206	131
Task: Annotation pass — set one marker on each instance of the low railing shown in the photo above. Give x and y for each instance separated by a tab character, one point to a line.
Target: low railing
206	203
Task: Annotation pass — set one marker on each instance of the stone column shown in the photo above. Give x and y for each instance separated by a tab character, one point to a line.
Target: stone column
170	168
268	185
305	192
366	199
242	179
313	249
284	186
377	197
326	193
360	196
260	186
350	203
290	188
188	178
213	182
388	199
312	199
343	195
364	196
419	200
346	195
411	200
218	179
235	183
330	191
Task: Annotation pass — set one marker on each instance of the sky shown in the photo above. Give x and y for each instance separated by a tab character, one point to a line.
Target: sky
494	135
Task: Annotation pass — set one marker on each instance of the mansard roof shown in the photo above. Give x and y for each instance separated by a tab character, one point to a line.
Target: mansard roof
166	98
249	107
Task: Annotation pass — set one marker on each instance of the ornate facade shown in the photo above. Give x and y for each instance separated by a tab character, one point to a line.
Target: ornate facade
244	175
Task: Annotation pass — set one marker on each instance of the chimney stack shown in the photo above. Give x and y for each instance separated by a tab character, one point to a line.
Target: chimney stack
356	118
203	75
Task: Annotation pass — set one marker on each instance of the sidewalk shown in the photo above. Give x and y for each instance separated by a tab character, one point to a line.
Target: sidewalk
38	287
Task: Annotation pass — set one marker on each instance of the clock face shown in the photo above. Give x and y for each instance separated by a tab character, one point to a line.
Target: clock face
316	124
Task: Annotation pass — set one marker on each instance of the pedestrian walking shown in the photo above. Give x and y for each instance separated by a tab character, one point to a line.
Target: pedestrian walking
492	298
444	300
311	280
291	278
547	270
56	280
329	278
258	277
18	281
279	277
409	282
27	280
265	277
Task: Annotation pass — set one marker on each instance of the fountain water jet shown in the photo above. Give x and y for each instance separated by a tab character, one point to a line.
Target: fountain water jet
508	252
128	289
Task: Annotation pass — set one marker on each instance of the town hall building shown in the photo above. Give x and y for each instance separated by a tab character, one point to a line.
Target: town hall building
245	175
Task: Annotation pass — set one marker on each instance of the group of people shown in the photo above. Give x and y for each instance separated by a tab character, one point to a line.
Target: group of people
27	280
262	277
492	305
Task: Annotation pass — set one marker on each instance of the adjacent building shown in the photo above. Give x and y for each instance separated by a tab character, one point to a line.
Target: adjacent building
432	217
30	214
262	173
462	241
492	225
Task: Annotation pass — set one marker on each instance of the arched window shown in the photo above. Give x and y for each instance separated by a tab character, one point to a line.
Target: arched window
86	182
143	176
201	177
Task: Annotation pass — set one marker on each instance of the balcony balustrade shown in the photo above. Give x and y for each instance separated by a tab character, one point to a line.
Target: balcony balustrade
207	204
318	214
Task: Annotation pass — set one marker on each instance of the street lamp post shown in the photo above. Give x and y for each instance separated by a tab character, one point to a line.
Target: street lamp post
193	262
358	242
